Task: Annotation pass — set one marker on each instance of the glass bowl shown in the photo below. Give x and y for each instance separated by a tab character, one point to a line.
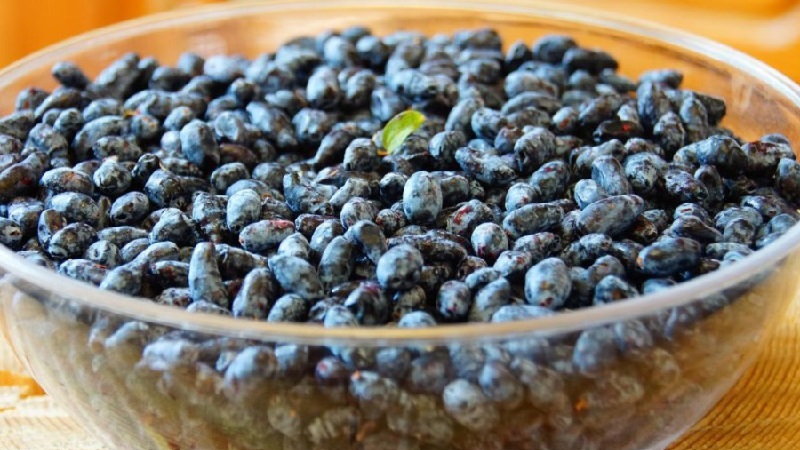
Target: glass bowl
144	376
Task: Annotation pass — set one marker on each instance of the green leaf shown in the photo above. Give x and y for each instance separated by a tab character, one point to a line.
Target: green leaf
398	129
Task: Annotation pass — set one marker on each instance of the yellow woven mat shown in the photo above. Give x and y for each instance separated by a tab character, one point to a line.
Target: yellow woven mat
759	413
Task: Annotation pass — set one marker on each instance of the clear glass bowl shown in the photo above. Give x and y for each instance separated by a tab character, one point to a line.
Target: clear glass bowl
86	346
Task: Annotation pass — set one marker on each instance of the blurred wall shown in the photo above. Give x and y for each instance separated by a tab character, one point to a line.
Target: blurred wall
30	25
767	29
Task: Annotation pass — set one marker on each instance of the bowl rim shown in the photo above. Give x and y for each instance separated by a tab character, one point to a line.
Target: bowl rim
39	279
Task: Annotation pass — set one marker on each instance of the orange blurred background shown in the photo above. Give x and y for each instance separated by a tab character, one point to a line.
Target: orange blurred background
30	25
767	29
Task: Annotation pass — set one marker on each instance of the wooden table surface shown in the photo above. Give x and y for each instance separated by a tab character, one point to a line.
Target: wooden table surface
761	412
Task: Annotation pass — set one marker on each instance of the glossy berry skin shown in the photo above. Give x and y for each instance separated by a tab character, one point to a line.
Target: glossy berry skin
422	198
198	144
488	241
488	299
296	275
533	218
548	283
612	215
256	296
587	192
289	308
83	270
335	264
368	304
489	169
104	253
69	242
399	268
265	234
468	216
243	209
612	288
609	175
453	301
205	281
669	256
788	175
368	237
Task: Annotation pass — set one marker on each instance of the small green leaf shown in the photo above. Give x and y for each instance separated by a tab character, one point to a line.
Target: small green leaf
398	129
